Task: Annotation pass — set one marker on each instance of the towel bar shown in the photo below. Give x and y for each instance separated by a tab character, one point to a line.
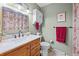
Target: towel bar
67	27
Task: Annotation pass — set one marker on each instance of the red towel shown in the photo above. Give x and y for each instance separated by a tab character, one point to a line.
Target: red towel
37	25
61	34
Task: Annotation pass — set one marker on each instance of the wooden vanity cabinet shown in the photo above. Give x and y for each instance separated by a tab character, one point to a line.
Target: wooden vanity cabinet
35	48
29	49
23	50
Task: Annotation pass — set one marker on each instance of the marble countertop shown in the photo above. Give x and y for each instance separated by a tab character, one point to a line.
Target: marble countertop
12	43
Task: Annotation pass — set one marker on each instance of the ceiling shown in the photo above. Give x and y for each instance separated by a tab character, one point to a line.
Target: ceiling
43	4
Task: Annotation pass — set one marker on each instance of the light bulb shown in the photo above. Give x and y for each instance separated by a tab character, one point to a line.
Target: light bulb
28	11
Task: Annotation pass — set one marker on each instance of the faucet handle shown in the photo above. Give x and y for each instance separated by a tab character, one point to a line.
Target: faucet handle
22	35
19	35
15	36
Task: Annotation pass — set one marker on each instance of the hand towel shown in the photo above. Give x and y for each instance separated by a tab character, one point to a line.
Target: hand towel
61	34
37	25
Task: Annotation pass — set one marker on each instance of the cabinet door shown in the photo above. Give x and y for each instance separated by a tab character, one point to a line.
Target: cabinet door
35	43
37	54
35	51
28	49
21	51
35	47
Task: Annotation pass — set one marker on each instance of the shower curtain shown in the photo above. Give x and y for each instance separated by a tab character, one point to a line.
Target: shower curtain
76	29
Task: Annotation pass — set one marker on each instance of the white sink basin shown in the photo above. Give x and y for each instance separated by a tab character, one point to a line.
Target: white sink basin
9	44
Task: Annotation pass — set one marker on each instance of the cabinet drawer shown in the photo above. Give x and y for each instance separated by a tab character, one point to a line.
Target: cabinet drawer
20	51
37	54
35	43
35	50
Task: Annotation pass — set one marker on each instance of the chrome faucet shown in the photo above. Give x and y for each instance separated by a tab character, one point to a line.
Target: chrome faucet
20	32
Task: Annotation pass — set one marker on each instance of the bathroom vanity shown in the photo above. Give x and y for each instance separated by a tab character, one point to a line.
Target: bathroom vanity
11	22
24	46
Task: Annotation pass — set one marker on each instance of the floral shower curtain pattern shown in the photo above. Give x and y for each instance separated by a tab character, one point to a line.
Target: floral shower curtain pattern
76	29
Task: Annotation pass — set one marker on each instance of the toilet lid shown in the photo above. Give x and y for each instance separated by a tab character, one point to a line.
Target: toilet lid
45	44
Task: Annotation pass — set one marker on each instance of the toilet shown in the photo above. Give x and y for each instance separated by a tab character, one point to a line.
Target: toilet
44	48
